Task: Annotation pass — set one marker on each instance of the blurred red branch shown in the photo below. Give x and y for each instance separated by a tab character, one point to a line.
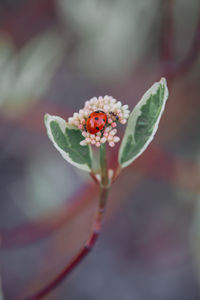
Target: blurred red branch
154	163
86	248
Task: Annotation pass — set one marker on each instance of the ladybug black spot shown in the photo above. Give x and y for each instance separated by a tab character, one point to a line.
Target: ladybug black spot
96	118
104	120
89	117
97	128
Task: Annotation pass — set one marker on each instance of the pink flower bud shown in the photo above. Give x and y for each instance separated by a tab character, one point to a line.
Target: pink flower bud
111	144
114	125
98	144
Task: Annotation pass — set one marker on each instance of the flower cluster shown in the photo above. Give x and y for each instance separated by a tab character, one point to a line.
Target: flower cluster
115	112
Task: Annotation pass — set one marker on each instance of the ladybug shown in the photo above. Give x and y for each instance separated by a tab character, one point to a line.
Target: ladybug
96	121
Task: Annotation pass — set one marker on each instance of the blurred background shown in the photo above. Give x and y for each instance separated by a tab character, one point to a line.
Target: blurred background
55	55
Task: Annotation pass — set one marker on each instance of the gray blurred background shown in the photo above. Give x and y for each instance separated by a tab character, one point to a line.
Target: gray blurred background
55	55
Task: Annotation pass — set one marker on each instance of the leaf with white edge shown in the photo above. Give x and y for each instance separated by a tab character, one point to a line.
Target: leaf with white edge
143	123
66	139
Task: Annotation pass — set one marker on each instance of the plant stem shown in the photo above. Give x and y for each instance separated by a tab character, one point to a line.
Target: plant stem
104	188
103	165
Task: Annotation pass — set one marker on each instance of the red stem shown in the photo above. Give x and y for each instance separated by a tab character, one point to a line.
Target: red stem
82	253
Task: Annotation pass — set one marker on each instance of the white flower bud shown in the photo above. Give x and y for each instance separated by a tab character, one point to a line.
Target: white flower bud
110	138
111	144
103	140
116	139
98	138
83	143
123	121
84	133
113	132
70	120
98	144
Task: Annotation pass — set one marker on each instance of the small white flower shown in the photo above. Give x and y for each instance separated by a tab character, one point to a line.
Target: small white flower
115	112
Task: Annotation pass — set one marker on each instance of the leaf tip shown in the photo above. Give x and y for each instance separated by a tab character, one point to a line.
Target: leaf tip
46	117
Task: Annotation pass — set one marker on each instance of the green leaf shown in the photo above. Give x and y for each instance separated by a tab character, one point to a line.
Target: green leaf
66	138
143	123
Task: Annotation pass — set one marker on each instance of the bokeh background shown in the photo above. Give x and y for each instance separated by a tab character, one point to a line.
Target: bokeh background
55	55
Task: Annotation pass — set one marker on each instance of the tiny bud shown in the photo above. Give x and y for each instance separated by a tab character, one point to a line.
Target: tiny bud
123	121
98	138
111	144
110	120
88	140
110	138
70	120
113	132
84	133
83	143
98	144
107	129
103	140
80	126
113	125
105	134
118	104
116	139
106	107
76	123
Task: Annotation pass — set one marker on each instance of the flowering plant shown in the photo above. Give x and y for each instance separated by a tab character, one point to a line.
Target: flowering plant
96	124
114	112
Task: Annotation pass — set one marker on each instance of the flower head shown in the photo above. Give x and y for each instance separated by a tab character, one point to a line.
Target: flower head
115	113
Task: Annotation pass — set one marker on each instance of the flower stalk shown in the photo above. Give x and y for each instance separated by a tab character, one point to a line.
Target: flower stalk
95	123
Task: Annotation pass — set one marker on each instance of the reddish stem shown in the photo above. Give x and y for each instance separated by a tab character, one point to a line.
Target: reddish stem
93	236
82	253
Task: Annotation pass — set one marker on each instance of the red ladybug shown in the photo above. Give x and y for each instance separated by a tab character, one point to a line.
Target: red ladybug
96	121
